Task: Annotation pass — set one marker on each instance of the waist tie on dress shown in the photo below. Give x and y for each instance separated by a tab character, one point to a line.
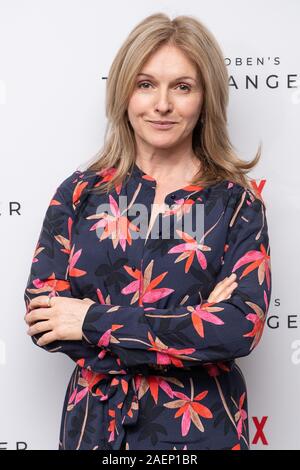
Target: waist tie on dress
121	409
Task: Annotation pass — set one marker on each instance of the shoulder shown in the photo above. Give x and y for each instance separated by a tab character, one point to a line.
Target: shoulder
77	185
233	194
240	195
246	207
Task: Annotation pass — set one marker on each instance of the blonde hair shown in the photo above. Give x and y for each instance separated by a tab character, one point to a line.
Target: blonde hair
210	141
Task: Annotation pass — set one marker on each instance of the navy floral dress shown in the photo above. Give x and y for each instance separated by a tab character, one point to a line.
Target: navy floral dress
156	367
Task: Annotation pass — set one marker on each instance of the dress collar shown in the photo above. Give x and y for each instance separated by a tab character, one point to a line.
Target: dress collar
184	192
141	175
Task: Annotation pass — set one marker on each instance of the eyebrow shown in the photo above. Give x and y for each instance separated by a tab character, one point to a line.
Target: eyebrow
175	79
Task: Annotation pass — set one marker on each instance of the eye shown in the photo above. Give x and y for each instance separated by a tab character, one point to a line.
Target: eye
188	87
143	83
140	85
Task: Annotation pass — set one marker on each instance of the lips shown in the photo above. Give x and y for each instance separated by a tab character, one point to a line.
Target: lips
163	122
162	125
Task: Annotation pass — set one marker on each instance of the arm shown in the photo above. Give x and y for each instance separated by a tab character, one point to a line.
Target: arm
49	270
209	332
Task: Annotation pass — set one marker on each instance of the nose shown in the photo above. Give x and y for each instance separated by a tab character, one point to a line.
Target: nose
163	102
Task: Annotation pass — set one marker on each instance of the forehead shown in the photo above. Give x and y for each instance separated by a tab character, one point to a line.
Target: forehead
169	62
175	78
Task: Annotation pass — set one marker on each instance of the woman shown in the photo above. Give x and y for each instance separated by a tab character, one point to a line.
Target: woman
154	317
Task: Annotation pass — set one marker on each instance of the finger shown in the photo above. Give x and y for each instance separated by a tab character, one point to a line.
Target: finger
221	293
224	284
46	339
37	315
226	293
218	289
230	278
38	302
232	286
39	327
228	289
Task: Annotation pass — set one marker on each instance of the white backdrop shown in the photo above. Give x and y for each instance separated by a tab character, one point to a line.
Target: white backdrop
54	57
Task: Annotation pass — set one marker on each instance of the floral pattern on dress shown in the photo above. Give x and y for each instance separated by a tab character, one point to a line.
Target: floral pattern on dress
155	368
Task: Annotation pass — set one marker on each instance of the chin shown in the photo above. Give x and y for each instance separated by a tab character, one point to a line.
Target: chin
161	145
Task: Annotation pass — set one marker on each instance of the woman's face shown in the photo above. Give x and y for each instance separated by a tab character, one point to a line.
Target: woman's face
163	95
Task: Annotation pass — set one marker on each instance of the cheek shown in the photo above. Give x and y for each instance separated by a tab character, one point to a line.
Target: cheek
190	110
137	105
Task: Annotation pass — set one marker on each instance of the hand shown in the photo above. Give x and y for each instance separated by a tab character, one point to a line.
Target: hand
223	289
62	321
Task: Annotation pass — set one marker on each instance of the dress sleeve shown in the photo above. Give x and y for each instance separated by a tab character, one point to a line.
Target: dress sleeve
206	332
50	265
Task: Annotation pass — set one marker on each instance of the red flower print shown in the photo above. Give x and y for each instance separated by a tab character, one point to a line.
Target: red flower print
258	259
87	380
190	410
116	225
258	319
241	415
215	369
65	242
74	257
189	249
145	288
201	312
167	355
80	186
51	284
153	383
